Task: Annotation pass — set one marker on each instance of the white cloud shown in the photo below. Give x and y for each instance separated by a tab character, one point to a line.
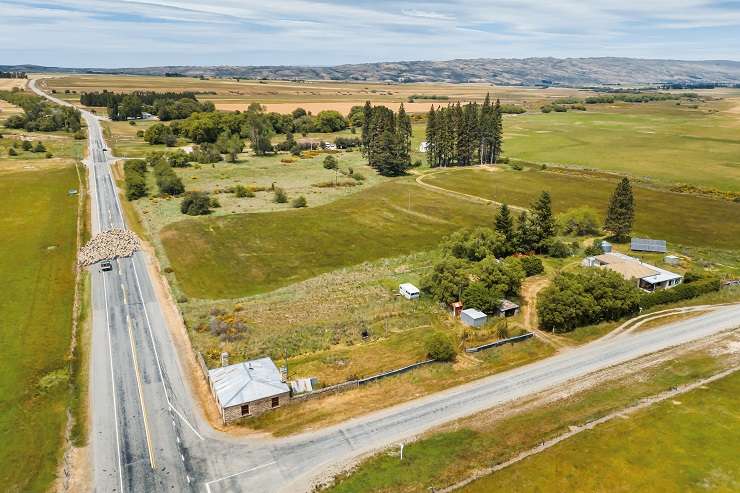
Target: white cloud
157	32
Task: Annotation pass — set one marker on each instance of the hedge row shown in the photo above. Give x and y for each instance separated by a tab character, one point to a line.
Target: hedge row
679	293
134	172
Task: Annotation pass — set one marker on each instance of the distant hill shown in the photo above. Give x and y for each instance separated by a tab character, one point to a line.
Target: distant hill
505	71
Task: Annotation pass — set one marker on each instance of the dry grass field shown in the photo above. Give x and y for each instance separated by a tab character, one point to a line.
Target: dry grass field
284	96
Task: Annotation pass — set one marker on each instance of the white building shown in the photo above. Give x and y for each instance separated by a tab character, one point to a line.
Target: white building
648	277
473	317
424	146
409	291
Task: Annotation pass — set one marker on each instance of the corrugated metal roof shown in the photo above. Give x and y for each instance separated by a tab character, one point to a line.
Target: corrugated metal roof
474	314
247	382
647	245
507	305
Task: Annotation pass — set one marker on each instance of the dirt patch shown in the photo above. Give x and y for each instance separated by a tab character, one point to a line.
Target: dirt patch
530	289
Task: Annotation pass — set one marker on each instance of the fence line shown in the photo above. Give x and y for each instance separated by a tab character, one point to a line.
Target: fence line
511	340
352	384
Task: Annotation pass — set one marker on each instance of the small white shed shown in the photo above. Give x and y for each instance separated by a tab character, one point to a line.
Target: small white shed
473	317
409	291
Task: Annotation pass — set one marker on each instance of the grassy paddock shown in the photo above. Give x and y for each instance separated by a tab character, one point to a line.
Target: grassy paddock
451	453
235	256
38	221
685	444
680	218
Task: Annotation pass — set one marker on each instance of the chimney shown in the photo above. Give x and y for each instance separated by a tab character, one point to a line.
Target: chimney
224	359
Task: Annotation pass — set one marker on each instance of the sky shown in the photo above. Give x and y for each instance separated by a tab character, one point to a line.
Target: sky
116	33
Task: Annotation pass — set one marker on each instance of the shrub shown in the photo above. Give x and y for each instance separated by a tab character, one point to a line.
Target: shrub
26	145
517	167
140	134
280	196
295	150
196	204
532	265
476	244
299	202
167	181
49	155
159	133
132	123
80	135
586	296
502	332
241	191
448	279
12	152
580	221
39	147
681	292
439	347
133	172
594	249
357	176
558	249
330	162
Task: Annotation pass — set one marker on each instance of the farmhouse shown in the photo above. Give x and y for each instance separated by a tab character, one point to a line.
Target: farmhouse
473	317
409	291
648	277
248	389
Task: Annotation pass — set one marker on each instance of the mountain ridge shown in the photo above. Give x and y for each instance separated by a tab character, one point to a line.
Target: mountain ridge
505	71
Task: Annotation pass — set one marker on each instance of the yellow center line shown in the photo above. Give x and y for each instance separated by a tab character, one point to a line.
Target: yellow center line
138	383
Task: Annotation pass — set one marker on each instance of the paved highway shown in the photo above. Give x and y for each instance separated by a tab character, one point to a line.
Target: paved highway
147	434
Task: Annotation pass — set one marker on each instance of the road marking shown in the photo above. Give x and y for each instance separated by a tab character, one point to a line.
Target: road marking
141	391
156	354
268	464
113	386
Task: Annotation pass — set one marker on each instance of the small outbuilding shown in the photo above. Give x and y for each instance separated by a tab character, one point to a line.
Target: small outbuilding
606	247
507	309
409	291
456	308
424	146
671	260
248	389
473	317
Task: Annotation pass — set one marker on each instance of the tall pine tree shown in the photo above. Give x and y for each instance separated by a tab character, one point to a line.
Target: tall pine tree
403	124
497	133
543	221
621	213
432	139
505	223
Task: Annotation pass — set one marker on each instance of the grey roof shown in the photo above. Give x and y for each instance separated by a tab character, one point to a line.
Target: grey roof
473	313
409	288
507	305
647	245
247	382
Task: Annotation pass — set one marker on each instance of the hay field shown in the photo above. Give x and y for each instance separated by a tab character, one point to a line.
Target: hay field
284	96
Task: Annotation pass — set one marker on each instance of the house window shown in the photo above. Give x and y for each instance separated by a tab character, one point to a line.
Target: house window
275	401
245	410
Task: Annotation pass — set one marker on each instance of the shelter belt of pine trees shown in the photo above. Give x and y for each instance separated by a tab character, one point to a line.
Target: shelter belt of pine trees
461	135
386	139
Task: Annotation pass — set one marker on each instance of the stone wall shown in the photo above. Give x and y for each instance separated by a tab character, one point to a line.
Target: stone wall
234	413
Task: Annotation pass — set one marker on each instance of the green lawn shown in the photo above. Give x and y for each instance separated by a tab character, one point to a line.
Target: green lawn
228	257
679	218
38	224
689	443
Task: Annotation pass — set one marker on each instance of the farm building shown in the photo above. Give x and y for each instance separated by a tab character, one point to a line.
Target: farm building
507	309
473	317
248	389
606	247
409	291
648	277
645	245
456	308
